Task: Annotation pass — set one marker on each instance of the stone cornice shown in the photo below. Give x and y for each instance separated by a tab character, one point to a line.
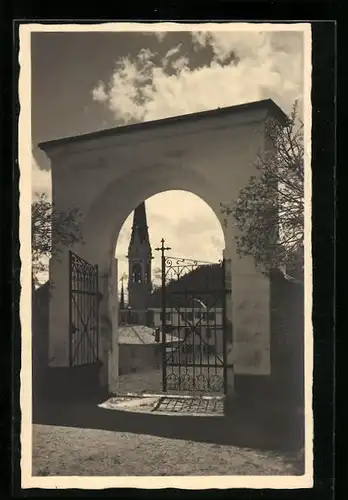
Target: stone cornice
217	119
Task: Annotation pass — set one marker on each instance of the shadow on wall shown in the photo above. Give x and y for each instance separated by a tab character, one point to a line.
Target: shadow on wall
58	382
287	337
40	328
285	386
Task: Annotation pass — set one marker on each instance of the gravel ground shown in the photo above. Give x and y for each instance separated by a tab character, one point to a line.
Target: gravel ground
67	451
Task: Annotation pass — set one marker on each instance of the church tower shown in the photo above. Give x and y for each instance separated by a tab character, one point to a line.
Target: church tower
139	266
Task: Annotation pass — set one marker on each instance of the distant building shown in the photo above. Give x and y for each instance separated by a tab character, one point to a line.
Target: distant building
139	348
199	328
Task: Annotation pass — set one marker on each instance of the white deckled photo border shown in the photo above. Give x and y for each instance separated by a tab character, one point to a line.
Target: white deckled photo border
25	153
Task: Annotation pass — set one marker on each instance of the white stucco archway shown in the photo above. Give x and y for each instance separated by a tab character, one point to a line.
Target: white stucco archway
108	173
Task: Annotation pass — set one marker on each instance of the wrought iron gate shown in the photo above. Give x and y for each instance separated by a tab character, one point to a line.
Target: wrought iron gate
194	325
83	312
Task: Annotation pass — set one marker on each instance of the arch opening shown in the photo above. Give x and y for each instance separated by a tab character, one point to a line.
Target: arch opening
188	225
102	226
193	232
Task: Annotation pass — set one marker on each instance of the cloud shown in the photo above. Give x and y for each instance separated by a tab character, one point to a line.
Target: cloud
217	242
197	225
129	88
275	57
244	67
99	93
180	63
247	44
169	55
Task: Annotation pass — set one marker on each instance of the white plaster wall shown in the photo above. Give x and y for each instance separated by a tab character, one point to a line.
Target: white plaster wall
109	175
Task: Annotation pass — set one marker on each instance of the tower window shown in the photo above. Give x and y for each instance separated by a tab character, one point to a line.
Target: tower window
136	273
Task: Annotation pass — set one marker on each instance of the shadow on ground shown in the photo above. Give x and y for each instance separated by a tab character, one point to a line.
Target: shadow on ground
245	426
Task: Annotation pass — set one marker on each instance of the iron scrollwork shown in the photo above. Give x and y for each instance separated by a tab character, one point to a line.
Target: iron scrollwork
194	358
194	321
84	298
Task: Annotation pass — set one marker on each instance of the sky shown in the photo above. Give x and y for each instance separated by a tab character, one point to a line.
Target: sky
83	82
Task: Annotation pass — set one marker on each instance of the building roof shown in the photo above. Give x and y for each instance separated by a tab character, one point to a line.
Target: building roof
205	283
267	104
139	334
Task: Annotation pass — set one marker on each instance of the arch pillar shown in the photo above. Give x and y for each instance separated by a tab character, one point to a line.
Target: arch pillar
113	350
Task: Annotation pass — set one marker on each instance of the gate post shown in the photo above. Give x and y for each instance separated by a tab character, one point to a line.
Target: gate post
162	249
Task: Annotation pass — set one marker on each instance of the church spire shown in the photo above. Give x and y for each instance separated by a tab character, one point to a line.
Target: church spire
139	262
140	228
122	305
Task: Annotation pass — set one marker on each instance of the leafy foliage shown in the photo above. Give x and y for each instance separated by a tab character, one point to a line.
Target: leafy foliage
51	229
269	211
